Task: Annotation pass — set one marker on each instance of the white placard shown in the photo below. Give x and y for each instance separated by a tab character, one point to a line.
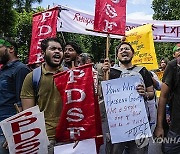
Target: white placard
26	133
126	113
84	147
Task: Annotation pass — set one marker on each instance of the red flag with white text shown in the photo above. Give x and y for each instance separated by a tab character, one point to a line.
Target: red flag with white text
110	16
78	119
44	24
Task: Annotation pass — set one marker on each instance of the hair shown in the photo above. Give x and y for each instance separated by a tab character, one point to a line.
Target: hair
76	47
44	43
13	44
84	57
127	43
166	60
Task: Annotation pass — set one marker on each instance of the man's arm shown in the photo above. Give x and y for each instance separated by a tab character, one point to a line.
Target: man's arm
159	132
27	103
147	93
27	93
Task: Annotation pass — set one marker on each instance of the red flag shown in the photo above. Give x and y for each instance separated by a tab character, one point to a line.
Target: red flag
44	25
78	117
110	16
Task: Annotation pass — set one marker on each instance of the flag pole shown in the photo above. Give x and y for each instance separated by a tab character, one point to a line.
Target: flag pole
107	55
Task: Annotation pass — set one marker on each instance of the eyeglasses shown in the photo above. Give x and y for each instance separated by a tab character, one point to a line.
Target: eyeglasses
125	48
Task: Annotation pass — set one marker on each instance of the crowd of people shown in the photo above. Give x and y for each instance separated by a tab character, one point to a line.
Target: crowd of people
17	87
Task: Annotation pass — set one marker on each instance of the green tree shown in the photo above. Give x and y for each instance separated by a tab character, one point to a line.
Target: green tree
165	10
7	17
24	4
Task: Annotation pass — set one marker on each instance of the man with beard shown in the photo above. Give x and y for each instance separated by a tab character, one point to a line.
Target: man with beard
49	99
71	53
125	53
12	75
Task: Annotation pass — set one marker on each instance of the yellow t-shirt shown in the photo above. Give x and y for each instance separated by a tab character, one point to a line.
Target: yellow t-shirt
49	99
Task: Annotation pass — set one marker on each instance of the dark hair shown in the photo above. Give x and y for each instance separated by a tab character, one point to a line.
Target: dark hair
166	60
76	47
44	43
12	42
127	43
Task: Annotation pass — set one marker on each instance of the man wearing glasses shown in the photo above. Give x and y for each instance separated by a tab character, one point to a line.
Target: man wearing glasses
125	53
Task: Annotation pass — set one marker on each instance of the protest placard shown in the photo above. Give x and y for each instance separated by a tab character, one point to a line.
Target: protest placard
83	147
25	132
141	39
125	108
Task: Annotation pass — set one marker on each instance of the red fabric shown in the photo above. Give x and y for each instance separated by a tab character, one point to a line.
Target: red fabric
112	14
44	25
88	106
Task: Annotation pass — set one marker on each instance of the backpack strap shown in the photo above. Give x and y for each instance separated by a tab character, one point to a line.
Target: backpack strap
36	76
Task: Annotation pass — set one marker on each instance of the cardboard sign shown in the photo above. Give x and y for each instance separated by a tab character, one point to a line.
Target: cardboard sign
25	132
141	38
125	108
84	147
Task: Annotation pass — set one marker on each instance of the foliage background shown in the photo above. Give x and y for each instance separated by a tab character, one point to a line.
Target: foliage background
16	22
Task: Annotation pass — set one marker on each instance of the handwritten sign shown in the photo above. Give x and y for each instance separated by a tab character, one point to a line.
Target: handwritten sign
25	132
84	147
141	39
126	113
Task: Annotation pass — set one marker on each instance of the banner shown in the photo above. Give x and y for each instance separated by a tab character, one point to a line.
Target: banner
110	16
141	40
25	132
125	108
44	24
76	21
78	118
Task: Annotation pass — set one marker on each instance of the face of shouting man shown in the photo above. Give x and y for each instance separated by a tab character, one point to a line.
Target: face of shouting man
70	54
53	54
125	54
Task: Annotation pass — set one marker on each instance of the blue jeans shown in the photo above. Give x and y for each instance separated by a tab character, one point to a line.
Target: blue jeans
172	146
3	150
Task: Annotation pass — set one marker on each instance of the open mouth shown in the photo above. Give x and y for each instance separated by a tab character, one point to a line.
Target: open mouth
56	57
124	55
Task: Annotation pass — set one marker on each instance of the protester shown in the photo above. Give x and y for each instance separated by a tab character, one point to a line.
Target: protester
152	104
71	53
125	53
163	64
170	92
49	99
12	75
99	69
176	51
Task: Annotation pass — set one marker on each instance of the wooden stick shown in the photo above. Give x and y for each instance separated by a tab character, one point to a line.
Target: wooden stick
76	143
107	56
17	108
